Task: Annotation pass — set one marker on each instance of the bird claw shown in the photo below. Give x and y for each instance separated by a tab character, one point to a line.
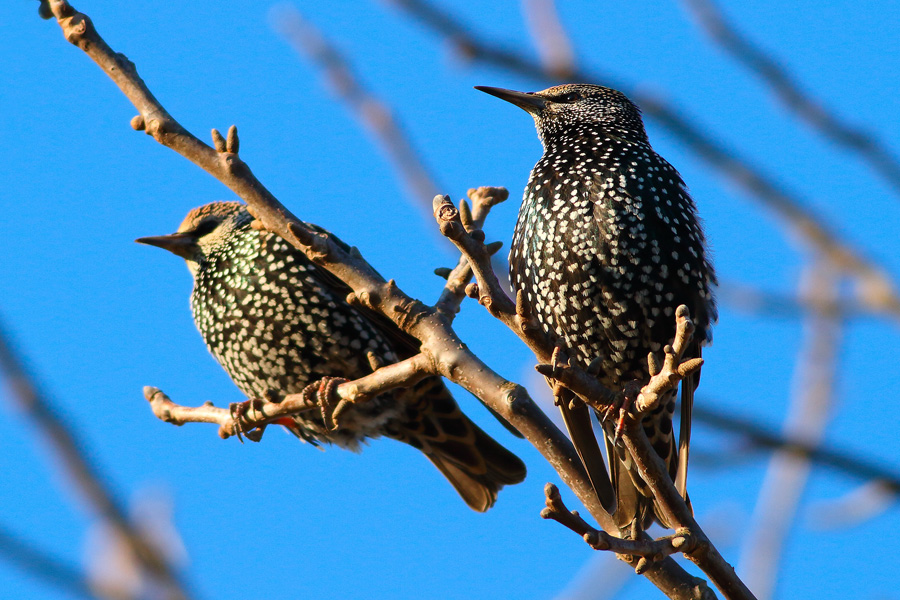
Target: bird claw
238	410
621	410
324	393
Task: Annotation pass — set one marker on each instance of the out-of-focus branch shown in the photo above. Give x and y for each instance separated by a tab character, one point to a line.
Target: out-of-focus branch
372	112
553	44
46	568
875	288
784	85
810	412
38	407
454	359
756	301
761	436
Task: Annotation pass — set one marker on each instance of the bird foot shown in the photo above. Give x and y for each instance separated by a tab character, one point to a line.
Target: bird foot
324	393
238	412
622	408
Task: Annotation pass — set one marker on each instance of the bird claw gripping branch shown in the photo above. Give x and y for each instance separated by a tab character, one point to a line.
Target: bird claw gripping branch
324	393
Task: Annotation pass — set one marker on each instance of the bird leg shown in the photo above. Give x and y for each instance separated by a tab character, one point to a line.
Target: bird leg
324	393
629	395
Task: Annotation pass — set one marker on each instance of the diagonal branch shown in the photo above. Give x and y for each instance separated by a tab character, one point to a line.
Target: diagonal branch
762	436
452	358
784	85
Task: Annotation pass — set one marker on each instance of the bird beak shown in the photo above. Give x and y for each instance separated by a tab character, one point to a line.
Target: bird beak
180	244
530	103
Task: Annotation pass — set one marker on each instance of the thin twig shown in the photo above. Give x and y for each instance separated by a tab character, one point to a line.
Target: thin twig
786	88
645	547
673	369
86	475
263	411
875	287
482	199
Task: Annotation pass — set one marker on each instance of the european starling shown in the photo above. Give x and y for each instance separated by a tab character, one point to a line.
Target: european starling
607	245
276	323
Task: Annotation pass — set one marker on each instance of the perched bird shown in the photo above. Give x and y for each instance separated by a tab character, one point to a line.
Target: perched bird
607	245
276	322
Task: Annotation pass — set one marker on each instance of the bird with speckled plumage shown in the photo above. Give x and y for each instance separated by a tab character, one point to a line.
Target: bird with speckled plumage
607	245
276	323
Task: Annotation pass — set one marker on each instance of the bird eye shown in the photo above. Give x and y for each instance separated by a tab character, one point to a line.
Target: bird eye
567	98
205	227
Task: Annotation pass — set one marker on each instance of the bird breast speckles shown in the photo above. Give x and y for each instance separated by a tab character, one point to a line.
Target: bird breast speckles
606	246
272	323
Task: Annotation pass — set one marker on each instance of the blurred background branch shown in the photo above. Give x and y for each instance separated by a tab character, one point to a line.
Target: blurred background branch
60	435
375	114
784	85
48	569
809	413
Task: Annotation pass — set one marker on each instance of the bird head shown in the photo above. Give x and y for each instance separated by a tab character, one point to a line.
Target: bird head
204	230
565	107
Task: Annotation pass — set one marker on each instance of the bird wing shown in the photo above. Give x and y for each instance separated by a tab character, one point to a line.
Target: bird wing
404	345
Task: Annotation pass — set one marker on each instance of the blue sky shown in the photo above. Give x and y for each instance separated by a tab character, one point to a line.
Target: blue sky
99	317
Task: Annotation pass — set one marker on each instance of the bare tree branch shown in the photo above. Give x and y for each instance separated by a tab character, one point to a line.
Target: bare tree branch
785	87
85	475
439	341
875	287
483	199
262	411
372	112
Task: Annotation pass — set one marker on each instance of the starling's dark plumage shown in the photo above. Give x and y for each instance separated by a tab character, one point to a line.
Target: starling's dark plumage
607	245
276	322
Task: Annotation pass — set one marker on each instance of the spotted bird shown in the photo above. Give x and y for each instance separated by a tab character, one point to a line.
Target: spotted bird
607	245
276	323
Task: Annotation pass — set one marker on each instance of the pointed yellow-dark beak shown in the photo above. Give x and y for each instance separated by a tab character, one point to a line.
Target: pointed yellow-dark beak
528	102
180	244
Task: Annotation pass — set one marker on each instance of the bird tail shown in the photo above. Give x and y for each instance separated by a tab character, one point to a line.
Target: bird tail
635	501
475	463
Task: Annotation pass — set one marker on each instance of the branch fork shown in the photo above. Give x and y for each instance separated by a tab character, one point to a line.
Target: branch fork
649	550
666	377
